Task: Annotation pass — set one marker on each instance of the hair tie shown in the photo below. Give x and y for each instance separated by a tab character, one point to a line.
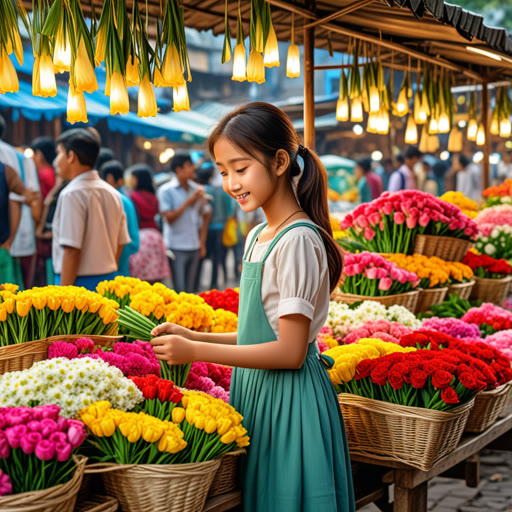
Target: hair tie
302	151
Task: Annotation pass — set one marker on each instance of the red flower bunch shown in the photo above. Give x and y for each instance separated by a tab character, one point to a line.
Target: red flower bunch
485	266
161	396
210	378
424	378
489	318
227	299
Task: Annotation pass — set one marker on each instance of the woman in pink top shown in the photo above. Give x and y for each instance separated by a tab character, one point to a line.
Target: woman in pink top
150	262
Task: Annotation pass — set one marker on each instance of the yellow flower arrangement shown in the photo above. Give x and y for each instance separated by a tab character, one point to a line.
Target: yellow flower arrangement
122	288
433	272
38	313
467	206
224	321
337	232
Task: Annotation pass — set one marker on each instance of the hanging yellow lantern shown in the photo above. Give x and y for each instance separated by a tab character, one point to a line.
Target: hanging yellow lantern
433	126
383	121
402	103
374	100
172	71
239	63
36	88
47	84
342	111
146	101
444	123
83	73
455	142
495	126
420	113
119	102
158	79
107	84
62	52
180	98
271	55
132	71
472	129
8	77
356	110
255	67
76	111
101	45
505	128
480	135
293	62
411	131
371	125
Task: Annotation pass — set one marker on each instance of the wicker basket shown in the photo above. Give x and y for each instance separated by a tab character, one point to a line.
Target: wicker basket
491	290
226	478
429	297
444	247
487	409
60	498
407	300
98	504
411	435
154	487
462	290
99	340
22	355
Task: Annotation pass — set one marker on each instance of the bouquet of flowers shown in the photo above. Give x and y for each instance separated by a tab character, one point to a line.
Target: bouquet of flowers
327	340
36	448
496	243
485	266
160	396
224	321
487	219
72	384
381	329
501	341
451	326
342	318
489	318
133	359
372	275
501	194
228	299
122	288
432	271
390	223
467	206
210	378
54	311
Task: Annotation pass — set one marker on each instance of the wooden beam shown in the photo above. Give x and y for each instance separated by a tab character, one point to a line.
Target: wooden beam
309	88
342	12
484	107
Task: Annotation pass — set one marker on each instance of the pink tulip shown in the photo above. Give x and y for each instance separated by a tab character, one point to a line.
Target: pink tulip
371	273
349	270
48	427
63	451
346	222
5	484
374	218
424	220
381	273
45	450
385	284
29	441
399	218
362	221
5	449
14	435
381	225
369	233
76	435
34	426
387	208
58	437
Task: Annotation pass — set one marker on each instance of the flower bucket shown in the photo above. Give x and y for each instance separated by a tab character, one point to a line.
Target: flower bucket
462	290
429	297
491	290
226	478
153	487
97	504
407	300
444	247
60	498
413	436
488	408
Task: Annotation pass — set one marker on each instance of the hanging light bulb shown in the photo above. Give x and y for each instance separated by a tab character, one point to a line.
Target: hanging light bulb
433	126
146	99
411	132
76	109
472	129
271	55
180	98
402	103
62	52
293	57
119	102
255	67
36	87
371	125
47	85
505	128
480	135
132	71
383	121
374	100
342	110
444	123
83	71
495	126
239	63
356	110
8	77
420	113
455	142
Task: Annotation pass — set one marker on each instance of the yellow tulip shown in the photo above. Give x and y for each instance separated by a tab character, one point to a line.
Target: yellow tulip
271	55
228	438
39	301
9	305
255	67
242	442
158	80
119	102
80	302
199	421
101	45
172	70
132	72
68	305
22	308
18	46
8	77
62	52
83	72
151	433
147	106
210	426
108	427
178	414
3	313
239	70
134	433
53	303
76	108
180	98
293	62
223	425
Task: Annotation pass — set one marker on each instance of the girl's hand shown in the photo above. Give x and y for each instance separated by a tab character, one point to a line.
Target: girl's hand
168	328
173	349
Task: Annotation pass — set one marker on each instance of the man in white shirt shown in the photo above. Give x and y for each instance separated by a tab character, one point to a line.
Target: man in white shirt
505	166
403	178
89	226
468	177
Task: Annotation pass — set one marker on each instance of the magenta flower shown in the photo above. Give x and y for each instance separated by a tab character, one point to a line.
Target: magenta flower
362	221
62	349
371	273
14	435
48	427
5	484
63	451
385	284
398	218
76	433
5	449
84	345
29	441
45	450
58	437
369	233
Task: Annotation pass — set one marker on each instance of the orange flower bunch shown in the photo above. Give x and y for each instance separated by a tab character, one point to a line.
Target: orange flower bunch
505	189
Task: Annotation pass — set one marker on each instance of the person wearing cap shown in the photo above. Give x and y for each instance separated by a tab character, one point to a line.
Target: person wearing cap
89	226
403	178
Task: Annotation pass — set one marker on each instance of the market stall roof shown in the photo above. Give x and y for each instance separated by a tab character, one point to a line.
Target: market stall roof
432	30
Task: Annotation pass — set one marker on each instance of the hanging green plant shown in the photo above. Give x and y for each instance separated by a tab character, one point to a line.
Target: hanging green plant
226	49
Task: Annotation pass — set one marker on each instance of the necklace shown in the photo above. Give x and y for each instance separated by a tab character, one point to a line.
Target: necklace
287	218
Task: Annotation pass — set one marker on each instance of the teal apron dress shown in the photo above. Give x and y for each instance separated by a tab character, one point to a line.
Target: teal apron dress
298	459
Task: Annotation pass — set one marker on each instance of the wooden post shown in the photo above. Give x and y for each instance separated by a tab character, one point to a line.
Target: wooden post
487	146
309	88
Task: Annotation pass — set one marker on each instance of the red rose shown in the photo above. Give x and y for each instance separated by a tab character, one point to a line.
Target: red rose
418	378
363	369
468	380
396	379
449	395
379	374
441	379
430	367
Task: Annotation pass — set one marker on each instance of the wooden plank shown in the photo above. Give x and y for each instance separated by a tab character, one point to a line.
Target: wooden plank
223	502
484	109
309	88
376	495
410	500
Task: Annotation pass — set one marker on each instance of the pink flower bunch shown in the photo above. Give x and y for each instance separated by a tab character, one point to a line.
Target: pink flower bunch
501	341
326	339
381	329
210	378
5	484
451	326
489	318
390	223
489	218
39	431
135	359
373	275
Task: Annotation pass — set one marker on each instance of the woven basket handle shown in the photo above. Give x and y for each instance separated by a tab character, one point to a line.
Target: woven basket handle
106	467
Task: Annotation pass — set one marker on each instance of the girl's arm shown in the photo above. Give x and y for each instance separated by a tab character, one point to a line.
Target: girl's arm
288	352
228	338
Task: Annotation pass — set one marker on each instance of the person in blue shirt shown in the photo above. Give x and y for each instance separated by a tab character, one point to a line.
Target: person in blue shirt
112	172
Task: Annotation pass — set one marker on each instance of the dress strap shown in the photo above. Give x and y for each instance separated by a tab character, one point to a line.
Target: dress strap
285	230
254	238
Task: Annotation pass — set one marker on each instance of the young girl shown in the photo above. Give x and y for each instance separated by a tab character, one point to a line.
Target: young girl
298	459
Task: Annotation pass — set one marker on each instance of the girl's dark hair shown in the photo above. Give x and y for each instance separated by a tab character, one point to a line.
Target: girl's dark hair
144	175
260	129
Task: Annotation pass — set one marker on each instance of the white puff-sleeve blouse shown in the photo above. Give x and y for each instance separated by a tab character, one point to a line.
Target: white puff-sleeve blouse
295	277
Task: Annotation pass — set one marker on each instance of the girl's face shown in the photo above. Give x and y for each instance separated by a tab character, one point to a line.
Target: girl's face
243	177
